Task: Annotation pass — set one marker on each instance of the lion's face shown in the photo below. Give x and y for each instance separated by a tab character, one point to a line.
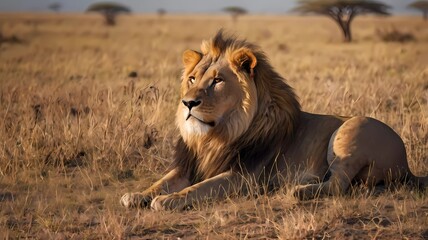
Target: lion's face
214	97
211	93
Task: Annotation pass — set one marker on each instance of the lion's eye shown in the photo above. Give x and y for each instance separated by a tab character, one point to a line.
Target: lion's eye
217	80
191	80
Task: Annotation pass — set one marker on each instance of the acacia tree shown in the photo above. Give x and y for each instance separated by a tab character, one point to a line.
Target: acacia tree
109	10
56	6
421	6
235	12
343	11
161	12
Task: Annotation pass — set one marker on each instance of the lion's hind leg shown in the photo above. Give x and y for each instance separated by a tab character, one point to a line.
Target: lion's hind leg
340	179
347	157
362	149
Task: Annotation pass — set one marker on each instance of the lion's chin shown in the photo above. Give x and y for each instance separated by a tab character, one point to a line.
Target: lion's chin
191	117
195	126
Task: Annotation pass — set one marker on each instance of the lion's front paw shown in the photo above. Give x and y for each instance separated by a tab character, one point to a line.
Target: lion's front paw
168	202
306	192
134	200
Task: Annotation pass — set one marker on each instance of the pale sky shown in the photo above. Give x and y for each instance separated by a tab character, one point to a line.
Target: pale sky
177	6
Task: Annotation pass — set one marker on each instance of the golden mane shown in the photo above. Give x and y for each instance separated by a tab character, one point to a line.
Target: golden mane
270	113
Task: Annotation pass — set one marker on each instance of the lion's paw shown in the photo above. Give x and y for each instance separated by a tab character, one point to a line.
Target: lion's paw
306	192
134	200
168	202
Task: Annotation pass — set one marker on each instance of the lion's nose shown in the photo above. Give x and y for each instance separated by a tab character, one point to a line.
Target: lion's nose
192	103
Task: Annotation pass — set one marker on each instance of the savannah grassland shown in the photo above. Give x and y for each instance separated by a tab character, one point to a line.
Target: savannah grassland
76	132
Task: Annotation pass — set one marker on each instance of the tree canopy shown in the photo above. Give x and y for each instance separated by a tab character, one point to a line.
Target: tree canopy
235	11
109	10
108	7
55	6
343	11
337	7
422	6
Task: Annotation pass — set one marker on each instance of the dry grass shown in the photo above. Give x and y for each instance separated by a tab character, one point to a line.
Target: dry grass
76	132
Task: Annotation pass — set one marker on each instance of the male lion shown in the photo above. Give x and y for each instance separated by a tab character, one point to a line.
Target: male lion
239	120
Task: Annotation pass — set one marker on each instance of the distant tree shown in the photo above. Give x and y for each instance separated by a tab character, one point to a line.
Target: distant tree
109	10
161	12
235	12
343	11
56	6
421	6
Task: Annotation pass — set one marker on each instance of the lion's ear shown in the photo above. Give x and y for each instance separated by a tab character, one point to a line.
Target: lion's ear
244	59
191	58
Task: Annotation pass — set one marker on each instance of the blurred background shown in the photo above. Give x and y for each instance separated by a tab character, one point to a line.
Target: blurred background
177	6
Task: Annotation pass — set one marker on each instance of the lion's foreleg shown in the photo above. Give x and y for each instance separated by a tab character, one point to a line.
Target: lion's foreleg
171	182
217	187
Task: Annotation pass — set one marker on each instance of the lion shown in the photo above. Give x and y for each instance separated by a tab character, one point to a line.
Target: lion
239	119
